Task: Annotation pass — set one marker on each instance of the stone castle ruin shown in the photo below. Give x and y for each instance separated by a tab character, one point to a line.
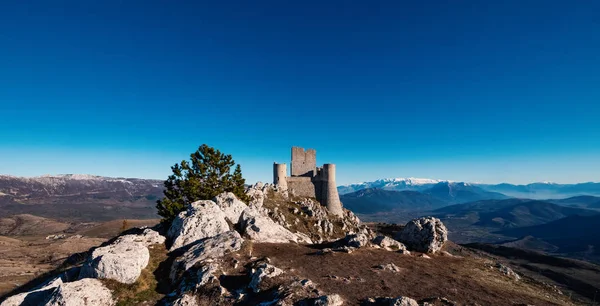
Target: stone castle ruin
308	180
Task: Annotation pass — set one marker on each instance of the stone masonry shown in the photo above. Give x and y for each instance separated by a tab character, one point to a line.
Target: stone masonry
308	180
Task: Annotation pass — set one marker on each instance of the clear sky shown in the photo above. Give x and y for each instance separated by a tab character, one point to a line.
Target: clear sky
486	91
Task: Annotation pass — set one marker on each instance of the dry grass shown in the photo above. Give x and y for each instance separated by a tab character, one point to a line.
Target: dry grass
463	280
145	289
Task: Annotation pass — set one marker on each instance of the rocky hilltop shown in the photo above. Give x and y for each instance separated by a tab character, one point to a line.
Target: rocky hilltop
280	250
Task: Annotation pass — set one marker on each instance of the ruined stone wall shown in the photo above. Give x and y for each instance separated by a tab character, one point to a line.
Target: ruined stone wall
301	187
304	163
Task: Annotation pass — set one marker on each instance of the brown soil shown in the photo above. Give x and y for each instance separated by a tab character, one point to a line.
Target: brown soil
464	280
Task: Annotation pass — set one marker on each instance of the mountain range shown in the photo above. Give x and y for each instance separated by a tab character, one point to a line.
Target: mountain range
79	197
538	191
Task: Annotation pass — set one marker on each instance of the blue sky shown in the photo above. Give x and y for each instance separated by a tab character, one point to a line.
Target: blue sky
487	91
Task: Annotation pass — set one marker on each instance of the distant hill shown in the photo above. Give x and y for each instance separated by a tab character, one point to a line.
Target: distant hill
545	190
572	234
508	213
79	197
579	201
375	200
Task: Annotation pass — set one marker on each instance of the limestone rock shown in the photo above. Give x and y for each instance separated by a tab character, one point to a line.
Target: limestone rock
389	267
388	243
261	228
147	237
329	300
231	206
208	248
426	235
203	276
37	296
185	300
508	271
202	219
356	240
122	261
261	272
398	301
89	292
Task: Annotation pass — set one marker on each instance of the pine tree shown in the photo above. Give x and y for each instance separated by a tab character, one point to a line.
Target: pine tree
204	176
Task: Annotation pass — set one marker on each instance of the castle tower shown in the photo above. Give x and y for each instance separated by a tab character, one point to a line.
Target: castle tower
330	197
279	175
304	163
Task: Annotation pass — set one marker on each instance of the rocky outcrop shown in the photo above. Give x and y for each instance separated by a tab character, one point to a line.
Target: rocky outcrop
426	235
122	261
387	301
202	219
185	300
262	271
261	228
508	271
208	248
147	237
327	300
357	240
89	292
37	296
231	206
390	244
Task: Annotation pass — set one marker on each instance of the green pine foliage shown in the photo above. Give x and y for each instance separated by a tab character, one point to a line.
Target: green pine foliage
204	176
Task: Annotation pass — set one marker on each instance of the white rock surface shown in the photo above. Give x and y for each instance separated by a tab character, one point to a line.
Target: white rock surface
508	271
122	261
231	206
329	300
202	219
209	248
357	240
261	272
88	292
185	300
398	301
37	296
147	237
389	244
261	228
426	235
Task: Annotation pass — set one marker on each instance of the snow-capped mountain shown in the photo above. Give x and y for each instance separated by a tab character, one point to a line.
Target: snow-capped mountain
542	190
399	184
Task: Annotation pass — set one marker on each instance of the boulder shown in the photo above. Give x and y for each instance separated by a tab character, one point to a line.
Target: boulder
38	296
122	261
356	240
147	237
426	235
89	292
231	206
203	276
387	301
202	219
261	228
389	244
389	267
208	248
329	300
508	271
261	272
185	300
